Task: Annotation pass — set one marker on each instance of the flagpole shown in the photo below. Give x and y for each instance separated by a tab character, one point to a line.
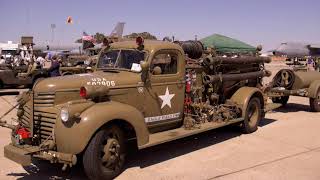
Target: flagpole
53	26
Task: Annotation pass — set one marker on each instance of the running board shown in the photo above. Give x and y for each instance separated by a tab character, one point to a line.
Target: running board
170	135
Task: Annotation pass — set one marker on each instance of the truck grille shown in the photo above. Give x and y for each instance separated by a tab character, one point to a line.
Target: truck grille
27	115
44	115
44	99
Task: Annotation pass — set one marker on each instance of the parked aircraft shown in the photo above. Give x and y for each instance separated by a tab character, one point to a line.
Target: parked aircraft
296	49
75	48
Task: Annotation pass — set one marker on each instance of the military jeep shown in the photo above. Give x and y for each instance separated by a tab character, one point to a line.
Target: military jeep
17	76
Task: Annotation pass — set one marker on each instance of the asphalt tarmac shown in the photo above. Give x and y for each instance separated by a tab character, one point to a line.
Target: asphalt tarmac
286	146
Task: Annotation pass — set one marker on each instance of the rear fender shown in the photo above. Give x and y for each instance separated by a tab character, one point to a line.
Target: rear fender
313	89
243	95
73	139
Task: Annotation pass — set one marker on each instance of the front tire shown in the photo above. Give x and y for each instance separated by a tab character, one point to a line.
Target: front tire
315	103
105	155
252	116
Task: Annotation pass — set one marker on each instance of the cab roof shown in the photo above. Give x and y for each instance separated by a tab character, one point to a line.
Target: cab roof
149	45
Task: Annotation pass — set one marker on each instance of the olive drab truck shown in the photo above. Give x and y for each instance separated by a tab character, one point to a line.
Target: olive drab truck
151	92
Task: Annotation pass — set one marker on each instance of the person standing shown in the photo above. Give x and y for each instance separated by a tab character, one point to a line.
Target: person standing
2	60
40	61
106	42
47	61
54	70
310	64
317	64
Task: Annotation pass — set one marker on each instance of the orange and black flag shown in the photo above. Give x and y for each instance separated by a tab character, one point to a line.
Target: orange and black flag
69	20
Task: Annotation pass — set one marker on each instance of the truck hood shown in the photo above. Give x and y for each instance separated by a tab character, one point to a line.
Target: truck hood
111	79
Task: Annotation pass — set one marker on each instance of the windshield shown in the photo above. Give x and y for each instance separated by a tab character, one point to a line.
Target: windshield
12	52
124	59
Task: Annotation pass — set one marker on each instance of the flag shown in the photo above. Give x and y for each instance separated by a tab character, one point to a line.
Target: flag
69	20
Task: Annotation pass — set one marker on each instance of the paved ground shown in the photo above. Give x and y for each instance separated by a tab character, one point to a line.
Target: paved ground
286	146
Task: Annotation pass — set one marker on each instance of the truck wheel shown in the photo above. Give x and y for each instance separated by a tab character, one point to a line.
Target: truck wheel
105	155
283	100
315	103
252	116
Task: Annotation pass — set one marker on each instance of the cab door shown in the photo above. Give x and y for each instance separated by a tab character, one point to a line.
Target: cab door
164	99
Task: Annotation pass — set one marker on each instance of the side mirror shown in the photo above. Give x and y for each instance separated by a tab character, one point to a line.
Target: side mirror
144	66
145	71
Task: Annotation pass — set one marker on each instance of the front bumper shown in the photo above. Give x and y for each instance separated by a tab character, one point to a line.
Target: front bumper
18	155
23	155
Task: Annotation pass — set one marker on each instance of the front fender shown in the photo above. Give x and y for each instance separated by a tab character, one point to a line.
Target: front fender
313	89
243	95
73	139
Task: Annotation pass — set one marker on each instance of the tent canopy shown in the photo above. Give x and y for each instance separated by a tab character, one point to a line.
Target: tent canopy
224	44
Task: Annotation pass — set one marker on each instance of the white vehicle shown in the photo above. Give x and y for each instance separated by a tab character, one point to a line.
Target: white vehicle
8	50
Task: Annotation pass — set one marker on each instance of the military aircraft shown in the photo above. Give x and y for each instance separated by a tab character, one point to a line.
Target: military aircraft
76	48
297	49
59	48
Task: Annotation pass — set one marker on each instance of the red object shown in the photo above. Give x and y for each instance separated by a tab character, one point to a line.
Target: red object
83	92
24	133
188	87
139	40
187	101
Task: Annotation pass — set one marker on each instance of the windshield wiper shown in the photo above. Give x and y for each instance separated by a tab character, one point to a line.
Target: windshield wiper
114	69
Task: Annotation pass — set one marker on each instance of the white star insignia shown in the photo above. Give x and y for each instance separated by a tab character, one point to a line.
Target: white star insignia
166	99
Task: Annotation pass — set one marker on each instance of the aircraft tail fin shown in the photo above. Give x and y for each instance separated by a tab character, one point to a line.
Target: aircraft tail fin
118	30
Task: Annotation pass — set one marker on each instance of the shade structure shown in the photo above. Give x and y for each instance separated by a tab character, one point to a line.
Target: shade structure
224	44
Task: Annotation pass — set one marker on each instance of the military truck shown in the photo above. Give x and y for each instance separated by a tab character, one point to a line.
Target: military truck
147	92
288	83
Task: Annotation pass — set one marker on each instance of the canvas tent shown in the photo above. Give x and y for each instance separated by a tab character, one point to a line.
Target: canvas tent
224	44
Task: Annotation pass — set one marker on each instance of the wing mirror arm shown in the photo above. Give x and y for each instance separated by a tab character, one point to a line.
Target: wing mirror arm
144	71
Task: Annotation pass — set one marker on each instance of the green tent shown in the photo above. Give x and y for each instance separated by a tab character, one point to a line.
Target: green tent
224	44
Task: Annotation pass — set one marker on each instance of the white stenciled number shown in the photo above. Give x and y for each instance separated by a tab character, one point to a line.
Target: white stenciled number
101	82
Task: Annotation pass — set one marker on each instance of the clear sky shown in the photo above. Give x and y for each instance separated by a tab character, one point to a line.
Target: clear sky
267	22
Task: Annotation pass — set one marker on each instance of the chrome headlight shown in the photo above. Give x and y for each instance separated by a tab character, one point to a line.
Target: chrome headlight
64	114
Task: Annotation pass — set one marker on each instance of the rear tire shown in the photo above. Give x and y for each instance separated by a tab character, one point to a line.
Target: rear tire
105	155
315	103
252	116
282	100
